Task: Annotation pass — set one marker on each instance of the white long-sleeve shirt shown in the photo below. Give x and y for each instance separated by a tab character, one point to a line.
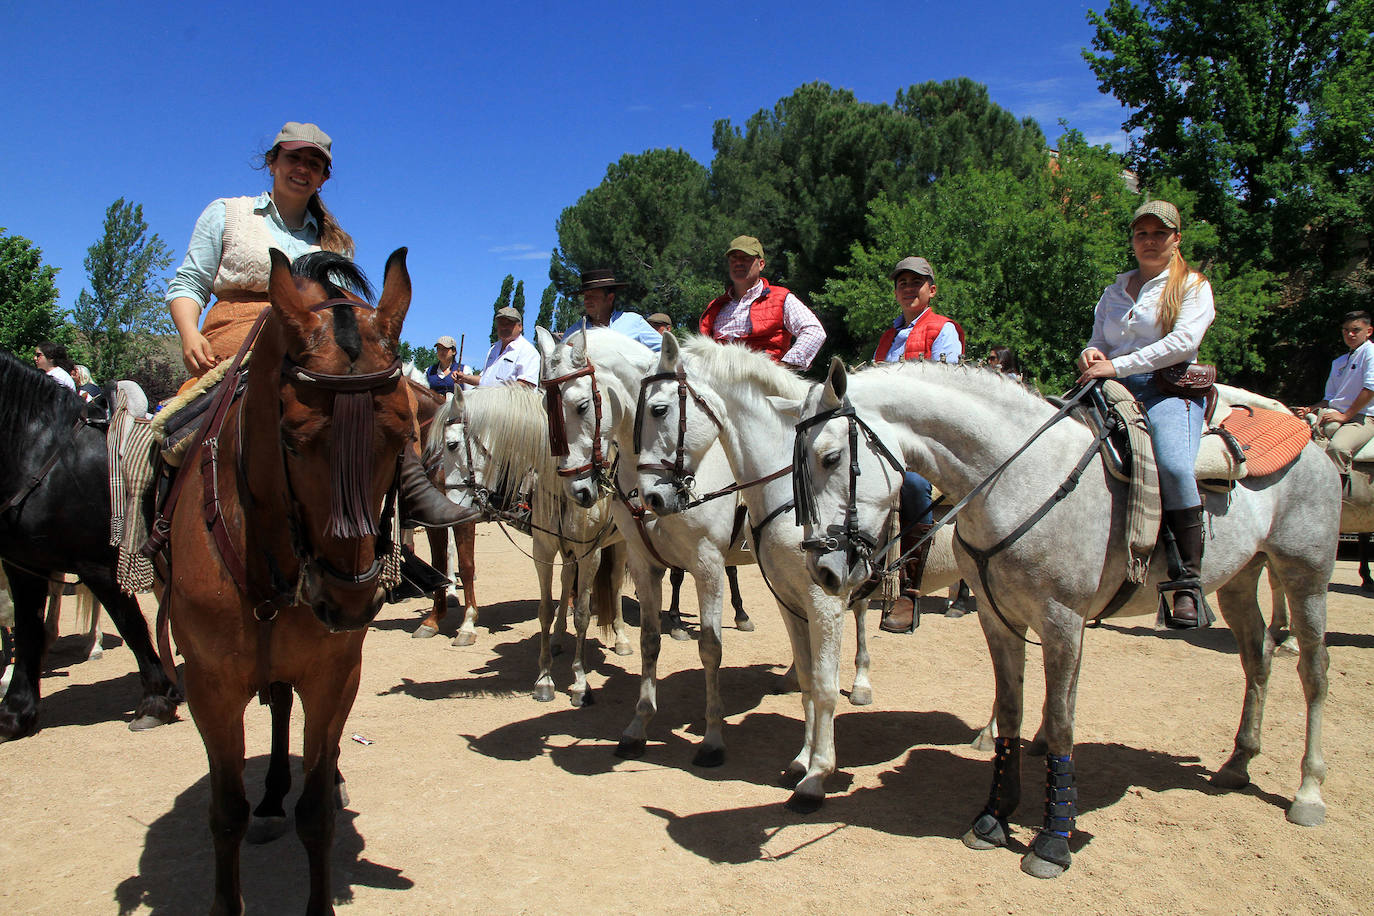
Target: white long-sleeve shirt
1127	330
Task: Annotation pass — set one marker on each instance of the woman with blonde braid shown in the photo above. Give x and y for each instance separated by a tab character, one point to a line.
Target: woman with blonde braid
227	257
1153	317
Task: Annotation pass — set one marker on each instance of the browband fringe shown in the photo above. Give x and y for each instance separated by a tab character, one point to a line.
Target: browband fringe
351	467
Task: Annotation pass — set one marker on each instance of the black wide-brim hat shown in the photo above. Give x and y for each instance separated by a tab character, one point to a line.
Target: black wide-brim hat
599	279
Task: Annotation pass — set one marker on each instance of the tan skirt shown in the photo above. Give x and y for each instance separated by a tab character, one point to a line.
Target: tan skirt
227	324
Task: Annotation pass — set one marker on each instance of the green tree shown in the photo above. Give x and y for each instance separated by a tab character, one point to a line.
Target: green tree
650	221
423	357
546	308
118	321
1263	109
28	296
503	299
517	299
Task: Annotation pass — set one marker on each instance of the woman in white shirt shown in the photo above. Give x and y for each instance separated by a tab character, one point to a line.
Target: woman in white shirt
1150	318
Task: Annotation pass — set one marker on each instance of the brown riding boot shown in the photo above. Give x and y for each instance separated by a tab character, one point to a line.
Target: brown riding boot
425	505
902	617
1186	525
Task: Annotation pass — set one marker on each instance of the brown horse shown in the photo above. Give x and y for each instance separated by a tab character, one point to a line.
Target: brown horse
274	575
427	404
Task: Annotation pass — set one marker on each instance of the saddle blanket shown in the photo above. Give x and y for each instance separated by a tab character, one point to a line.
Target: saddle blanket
1269	440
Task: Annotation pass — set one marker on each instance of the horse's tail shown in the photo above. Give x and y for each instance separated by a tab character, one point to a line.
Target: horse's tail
86	610
606	586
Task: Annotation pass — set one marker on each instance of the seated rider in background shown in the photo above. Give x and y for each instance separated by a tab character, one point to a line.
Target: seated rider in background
917	333
1343	415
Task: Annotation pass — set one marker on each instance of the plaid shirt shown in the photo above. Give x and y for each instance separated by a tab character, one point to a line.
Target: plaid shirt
733	321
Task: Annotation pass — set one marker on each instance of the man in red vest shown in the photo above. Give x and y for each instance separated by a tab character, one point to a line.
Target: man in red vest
759	315
918	333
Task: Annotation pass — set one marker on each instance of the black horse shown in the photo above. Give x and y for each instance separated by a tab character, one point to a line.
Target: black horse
60	524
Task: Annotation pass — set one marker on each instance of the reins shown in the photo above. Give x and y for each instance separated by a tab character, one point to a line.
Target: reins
857	543
46	467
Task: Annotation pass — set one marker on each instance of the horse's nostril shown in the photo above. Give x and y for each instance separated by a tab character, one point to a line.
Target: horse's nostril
655	501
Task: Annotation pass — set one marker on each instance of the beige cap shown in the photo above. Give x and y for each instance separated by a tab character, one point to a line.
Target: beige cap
295	135
1166	212
446	341
659	318
507	311
918	266
747	244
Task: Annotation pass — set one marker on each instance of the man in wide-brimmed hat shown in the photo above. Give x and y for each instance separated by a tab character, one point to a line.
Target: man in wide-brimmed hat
512	360
759	315
598	305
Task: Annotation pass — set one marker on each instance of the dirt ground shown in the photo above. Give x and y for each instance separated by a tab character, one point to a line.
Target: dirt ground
472	797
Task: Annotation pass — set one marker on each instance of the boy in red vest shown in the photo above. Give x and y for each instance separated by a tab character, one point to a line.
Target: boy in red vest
918	333
761	316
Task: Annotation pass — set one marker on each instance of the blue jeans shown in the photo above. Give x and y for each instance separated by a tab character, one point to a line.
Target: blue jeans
1176	428
914	500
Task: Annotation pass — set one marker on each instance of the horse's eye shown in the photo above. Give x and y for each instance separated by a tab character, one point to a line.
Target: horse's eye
452	446
830	460
582	408
659	410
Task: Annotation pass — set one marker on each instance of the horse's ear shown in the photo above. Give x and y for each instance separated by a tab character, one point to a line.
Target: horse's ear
545	343
286	300
395	301
578	342
670	354
785	406
836	384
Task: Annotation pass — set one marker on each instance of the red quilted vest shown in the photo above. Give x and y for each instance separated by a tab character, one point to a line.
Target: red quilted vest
766	331
920	339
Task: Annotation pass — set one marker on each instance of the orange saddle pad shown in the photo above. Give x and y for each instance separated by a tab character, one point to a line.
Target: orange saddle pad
1271	439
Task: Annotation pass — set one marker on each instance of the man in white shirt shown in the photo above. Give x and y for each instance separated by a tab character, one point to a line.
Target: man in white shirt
1343	416
512	360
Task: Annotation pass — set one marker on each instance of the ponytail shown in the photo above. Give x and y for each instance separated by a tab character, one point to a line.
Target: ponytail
1171	301
332	236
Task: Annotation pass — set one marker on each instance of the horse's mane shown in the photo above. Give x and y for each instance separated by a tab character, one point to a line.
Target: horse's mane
27	396
511	423
334	272
737	366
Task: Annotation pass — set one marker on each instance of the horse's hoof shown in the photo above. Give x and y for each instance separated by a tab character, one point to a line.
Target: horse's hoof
1230	780
1037	867
983	741
803	804
987	832
630	748
861	696
425	631
744	624
584	698
1307	814
680	634
145	722
265	830
341	795
96	654
543	693
623	647
463	639
709	757
1287	648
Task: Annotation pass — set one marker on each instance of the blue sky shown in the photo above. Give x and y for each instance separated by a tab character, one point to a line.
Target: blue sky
461	130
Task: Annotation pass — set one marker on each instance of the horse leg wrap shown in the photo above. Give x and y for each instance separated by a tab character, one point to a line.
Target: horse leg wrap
1061	811
991	824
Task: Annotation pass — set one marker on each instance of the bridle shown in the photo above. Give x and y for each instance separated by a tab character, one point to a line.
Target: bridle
558	435
682	481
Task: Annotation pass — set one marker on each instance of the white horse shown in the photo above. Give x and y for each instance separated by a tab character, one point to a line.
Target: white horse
596	378
710	393
491	438
958	425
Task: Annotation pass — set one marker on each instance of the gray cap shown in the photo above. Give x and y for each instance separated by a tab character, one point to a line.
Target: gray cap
295	135
507	311
1164	211
919	266
659	318
446	341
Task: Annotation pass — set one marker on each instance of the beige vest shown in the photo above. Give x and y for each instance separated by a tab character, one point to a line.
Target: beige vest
244	266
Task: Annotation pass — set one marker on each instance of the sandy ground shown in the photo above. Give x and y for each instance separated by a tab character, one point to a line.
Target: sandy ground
474	798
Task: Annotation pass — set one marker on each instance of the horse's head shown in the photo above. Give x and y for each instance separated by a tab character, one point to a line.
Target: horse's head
845	485
583	412
341	420
676	423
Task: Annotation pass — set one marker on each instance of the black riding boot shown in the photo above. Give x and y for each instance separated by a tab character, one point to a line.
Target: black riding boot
902	617
423	504
1186	526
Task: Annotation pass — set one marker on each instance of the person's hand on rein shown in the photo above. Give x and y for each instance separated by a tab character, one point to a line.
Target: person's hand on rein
1095	365
197	353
